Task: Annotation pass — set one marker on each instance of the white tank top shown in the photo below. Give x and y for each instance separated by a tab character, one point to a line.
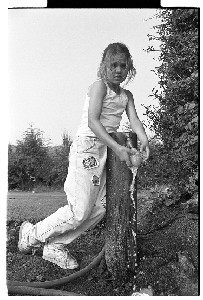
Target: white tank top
111	114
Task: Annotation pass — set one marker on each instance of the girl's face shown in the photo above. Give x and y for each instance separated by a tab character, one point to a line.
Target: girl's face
117	69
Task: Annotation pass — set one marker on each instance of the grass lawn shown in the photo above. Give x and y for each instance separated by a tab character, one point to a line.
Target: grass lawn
36	206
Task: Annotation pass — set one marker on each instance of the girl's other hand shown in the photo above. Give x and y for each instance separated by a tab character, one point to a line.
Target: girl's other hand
145	148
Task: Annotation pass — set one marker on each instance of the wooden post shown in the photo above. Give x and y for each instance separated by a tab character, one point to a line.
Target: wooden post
121	215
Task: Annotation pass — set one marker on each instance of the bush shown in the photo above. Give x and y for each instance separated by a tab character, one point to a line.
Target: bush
175	121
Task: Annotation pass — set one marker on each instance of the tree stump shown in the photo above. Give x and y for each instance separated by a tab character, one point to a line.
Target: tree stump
121	215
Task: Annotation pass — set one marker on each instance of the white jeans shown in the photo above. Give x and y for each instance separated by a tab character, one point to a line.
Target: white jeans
85	187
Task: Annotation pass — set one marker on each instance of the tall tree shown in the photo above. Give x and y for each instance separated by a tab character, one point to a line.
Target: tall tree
175	121
32	158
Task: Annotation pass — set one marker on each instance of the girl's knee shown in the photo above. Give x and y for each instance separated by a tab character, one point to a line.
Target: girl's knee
80	215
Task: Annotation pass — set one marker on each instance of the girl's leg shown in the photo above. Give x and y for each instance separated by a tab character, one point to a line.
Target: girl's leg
96	215
84	184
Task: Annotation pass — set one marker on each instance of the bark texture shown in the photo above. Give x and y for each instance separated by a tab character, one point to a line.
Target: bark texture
121	215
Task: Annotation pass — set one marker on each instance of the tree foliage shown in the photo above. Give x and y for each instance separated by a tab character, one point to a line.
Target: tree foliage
175	121
29	162
60	159
33	162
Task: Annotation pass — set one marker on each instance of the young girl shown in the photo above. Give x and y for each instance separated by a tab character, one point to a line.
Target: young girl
85	185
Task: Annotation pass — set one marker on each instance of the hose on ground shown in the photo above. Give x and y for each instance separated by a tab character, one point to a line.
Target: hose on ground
27	290
57	282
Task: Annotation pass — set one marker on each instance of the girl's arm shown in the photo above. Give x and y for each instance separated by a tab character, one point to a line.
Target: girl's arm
97	93
136	124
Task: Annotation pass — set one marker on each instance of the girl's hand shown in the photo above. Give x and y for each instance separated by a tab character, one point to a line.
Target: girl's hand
145	148
124	154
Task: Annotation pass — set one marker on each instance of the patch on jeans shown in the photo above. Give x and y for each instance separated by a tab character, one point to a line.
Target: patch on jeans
90	162
95	180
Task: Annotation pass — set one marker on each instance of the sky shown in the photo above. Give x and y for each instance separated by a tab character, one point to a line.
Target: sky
54	55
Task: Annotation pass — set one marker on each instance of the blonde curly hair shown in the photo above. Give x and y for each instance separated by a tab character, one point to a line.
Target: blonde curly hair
111	50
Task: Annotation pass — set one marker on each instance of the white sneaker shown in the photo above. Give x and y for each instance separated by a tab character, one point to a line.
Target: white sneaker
59	255
24	243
